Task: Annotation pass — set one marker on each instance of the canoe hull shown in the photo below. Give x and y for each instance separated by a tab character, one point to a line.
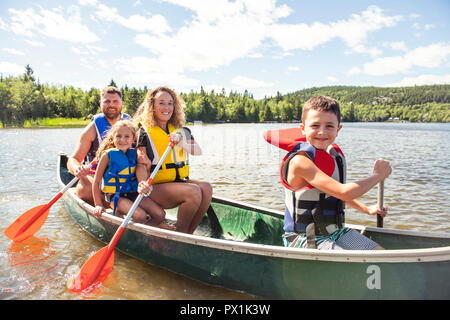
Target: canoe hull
262	271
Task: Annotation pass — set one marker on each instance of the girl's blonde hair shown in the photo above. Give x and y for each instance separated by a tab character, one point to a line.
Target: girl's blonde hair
146	112
108	142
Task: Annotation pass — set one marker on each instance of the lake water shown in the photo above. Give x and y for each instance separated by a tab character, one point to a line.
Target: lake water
240	165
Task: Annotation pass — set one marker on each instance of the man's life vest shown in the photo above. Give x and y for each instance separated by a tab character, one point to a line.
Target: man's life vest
308	209
102	126
176	165
120	176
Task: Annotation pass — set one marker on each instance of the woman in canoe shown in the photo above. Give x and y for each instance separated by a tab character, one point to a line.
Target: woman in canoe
159	118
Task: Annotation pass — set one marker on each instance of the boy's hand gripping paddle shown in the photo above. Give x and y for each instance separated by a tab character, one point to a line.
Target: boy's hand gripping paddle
97	267
32	220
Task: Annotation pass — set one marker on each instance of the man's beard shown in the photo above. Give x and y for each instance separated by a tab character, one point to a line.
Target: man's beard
112	116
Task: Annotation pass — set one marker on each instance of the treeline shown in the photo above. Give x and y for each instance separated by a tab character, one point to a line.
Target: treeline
24	98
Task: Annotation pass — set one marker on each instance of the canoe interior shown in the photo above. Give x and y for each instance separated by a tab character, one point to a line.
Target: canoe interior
244	223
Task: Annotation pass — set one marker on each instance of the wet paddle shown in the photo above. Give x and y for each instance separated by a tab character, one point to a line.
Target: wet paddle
97	268
32	220
380	203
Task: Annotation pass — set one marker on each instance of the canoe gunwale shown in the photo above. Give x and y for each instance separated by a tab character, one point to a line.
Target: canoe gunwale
362	256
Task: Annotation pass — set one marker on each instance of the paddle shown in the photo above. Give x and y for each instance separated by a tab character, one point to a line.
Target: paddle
32	220
97	268
380	203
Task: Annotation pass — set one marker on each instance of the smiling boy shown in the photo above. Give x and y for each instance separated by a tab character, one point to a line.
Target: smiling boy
313	175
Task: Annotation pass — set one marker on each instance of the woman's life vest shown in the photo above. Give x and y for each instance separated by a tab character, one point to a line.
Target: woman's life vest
309	210
120	176
176	165
102	126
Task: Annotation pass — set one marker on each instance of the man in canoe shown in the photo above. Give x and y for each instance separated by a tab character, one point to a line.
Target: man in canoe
313	176
78	163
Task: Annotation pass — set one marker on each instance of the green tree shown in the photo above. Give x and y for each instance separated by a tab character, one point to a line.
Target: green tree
132	101
6	113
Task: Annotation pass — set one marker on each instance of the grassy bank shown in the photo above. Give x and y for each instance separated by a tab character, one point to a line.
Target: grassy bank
56	123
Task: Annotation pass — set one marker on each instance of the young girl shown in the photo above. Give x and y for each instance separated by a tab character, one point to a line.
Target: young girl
115	176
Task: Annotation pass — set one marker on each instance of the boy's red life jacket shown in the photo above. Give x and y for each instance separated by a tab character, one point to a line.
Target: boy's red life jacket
307	208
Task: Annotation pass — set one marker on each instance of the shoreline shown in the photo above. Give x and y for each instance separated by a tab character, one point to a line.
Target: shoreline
80	123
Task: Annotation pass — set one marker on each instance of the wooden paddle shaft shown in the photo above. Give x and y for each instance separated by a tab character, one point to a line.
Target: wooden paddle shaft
380	203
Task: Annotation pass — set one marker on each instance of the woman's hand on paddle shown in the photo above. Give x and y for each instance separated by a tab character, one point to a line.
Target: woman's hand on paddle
382	168
375	210
176	137
98	210
82	171
144	188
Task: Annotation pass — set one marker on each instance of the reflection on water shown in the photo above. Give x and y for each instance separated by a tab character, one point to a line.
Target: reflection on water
32	267
240	165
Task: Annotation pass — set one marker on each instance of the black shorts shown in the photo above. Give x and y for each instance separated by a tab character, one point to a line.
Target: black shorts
132	196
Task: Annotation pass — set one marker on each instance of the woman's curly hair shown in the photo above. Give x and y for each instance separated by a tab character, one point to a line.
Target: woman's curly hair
146	114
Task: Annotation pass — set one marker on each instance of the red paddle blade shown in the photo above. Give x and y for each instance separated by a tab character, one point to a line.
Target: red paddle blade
95	270
28	223
284	138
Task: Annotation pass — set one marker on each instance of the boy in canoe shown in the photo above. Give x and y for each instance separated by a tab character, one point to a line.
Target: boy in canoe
313	176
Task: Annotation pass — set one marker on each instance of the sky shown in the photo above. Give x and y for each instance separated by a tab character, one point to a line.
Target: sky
263	46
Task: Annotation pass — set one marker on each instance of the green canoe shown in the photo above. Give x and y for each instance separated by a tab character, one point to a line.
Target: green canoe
248	254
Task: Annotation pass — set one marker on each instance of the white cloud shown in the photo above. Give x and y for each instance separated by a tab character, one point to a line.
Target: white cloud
426	27
353	71
149	71
389	65
202	46
264	11
52	24
35	43
3	25
8	68
221	32
423	79
248	83
14	51
88	2
89	50
398	45
332	79
353	31
362	49
416	25
431	56
293	68
155	24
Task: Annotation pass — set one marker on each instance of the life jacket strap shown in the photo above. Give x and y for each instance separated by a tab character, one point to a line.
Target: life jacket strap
317	220
311	236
